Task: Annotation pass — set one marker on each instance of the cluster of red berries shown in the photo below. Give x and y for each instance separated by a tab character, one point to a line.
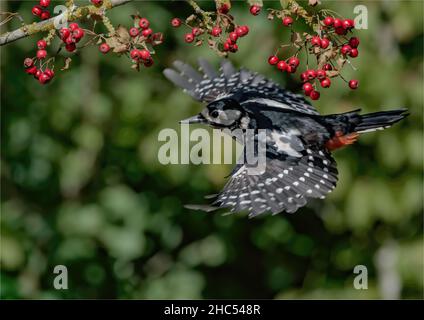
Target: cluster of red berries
141	56
230	43
71	36
40	10
289	65
143	29
43	76
309	77
255	10
341	26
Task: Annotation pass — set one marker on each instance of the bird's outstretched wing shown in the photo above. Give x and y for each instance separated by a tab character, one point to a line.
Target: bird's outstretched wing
208	85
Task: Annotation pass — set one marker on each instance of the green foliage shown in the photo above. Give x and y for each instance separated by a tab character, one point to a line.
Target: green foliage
82	187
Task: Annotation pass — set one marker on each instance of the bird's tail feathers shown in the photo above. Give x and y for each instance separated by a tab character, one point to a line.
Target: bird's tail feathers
380	120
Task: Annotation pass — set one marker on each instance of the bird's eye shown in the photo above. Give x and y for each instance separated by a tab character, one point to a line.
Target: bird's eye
214	114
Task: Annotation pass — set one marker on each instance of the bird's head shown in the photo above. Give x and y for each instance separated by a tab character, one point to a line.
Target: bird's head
223	113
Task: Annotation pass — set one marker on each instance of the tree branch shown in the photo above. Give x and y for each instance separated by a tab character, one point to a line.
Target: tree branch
47	25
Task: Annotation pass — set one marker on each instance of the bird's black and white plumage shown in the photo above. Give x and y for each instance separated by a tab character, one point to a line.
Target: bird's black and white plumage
299	140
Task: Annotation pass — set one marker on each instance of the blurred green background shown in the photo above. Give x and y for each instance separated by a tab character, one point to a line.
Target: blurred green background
82	186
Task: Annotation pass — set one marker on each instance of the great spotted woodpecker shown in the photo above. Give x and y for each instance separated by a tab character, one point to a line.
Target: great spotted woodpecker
299	140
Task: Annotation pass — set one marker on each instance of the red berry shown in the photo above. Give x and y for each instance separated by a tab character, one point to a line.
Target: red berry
64	33
73	26
216	31
196	31
290	69
353	84
145	54
354	42
224	9
97	2
316	41
327	67
314	95
49	72
189	38
294	62
348	24
326	83
69	40
226	46
41	54
144	23
307	88
133	32
328	21
287	21
45	15
41	44
31	70
354	53
233	36
38	73
282	65
148	63
303	77
37	10
44	78
104	48
321	74
70	47
77	34
244	30
234	47
44	3
135	54
340	31
345	49
28	62
255	9
146	32
325	43
311	74
338	23
273	60
175	22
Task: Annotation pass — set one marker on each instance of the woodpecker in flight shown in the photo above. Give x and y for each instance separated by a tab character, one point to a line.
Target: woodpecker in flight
299	140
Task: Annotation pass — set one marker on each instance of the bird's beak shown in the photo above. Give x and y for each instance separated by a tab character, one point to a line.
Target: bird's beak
195	119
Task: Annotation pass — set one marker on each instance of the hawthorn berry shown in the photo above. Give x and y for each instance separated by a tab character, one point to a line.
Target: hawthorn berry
311	74
45	15
175	22
316	41
314	95
290	69
73	26
346	49
104	48
226	46
31	70
69	40
189	38
144	23
224	9
282	65
307	88
97	2
327	67
41	54
148	63
348	24
294	62
234	47
49	72
273	60
43	78
287	21
44	3
145	54
353	53
146	32
37	10
303	77
216	31
242	31
354	42
338	23
321	74
64	33
135	54
341	31
233	36
38	73
133	32
325	43
353	84
77	34
255	9
28	62
41	44
70	47
195	31
328	21
326	83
